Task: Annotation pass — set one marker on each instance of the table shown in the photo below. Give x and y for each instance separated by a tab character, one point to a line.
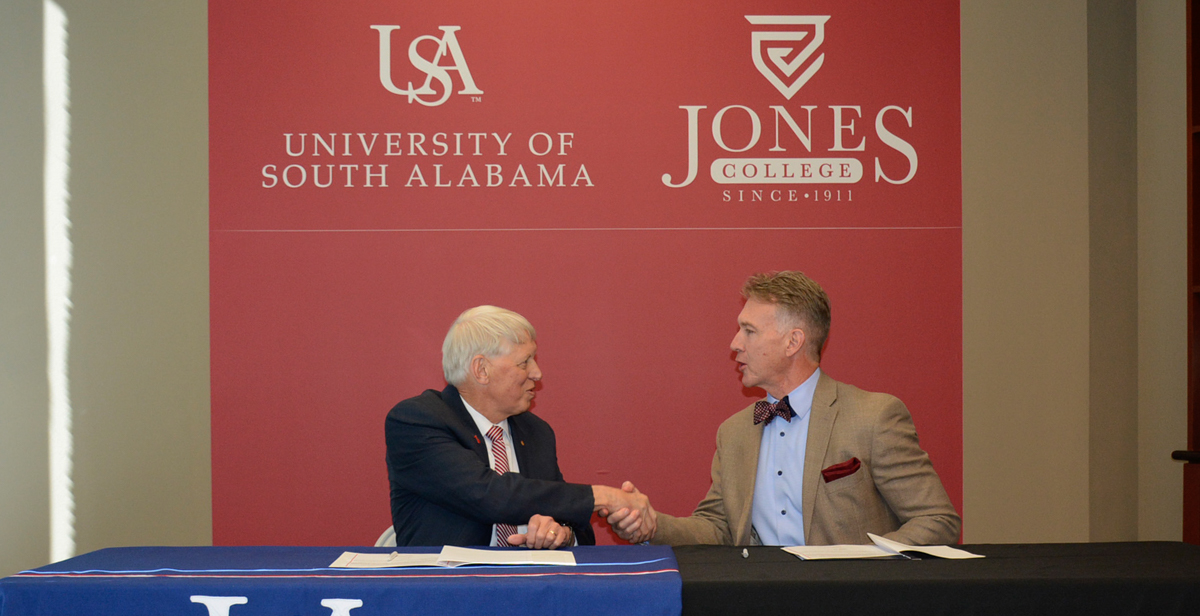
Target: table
1152	578
1060	579
297	581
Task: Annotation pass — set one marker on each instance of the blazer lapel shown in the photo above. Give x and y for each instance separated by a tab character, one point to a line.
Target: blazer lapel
518	436
466	425
740	474
820	426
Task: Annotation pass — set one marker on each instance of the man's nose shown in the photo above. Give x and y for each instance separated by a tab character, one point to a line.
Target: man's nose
535	372
735	345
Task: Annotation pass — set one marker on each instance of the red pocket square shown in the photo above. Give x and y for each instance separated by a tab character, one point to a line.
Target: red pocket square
841	469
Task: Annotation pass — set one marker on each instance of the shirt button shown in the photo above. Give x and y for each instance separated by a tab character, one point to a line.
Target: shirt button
780	434
784	512
779	472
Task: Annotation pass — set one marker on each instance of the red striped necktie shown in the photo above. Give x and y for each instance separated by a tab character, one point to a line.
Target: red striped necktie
500	453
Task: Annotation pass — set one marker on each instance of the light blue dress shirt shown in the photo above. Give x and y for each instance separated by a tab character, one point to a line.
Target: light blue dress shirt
776	512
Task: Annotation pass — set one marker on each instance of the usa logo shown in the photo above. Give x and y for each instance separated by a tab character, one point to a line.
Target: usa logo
431	63
787	69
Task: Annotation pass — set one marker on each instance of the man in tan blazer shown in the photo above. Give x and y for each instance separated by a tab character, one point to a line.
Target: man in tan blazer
852	464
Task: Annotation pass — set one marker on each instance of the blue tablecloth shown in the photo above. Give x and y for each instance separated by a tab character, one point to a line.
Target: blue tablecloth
297	581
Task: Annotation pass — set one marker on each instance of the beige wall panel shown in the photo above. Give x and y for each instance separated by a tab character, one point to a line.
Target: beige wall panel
24	486
1112	197
1025	271
139	356
1162	266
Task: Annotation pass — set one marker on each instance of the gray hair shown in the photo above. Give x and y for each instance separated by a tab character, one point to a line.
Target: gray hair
482	330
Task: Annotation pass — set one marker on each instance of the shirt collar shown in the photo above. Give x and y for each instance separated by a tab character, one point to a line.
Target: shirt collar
482	423
801	398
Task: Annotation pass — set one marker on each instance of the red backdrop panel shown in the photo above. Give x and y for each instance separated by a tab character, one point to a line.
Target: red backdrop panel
350	225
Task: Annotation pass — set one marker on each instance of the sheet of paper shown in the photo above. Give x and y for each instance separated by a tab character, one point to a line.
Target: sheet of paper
940	551
359	560
452	556
883	548
831	552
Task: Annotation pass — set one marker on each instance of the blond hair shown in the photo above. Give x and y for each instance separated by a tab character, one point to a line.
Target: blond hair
800	299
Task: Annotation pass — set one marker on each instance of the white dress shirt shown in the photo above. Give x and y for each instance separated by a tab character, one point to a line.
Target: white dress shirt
484	425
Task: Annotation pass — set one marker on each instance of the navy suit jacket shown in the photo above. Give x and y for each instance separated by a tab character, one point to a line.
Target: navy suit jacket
443	491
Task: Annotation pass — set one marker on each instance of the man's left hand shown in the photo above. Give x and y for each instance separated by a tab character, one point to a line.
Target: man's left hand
544	533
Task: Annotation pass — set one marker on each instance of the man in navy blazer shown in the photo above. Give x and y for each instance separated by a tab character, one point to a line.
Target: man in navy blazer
469	465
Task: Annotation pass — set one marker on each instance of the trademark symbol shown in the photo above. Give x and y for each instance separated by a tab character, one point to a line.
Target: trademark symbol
476	99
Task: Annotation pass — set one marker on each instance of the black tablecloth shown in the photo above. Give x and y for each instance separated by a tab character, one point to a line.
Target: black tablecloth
1060	579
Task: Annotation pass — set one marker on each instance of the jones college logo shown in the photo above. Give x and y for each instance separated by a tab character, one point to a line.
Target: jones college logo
447	46
779	44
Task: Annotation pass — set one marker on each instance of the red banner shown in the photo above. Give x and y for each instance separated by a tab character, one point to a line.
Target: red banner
613	171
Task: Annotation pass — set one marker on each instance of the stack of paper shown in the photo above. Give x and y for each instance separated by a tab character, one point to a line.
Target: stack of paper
883	548
452	556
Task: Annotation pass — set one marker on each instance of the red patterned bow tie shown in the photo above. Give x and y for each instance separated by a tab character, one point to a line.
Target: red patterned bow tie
765	411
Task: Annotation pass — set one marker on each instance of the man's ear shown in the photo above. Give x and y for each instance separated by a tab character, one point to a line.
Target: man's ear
795	341
479	369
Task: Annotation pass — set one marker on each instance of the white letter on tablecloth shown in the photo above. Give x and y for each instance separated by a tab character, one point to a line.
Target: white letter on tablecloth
219	606
341	607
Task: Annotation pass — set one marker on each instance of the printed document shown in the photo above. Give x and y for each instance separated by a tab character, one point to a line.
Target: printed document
452	556
883	548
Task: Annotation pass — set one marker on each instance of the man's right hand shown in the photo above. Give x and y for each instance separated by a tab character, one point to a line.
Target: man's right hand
628	511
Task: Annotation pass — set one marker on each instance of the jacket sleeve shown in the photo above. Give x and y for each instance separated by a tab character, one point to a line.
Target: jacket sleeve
908	482
428	458
708	524
584	534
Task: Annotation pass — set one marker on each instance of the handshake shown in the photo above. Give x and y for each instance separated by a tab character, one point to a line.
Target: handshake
627	510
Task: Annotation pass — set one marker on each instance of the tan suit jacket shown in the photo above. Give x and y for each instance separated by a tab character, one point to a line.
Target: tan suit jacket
895	493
